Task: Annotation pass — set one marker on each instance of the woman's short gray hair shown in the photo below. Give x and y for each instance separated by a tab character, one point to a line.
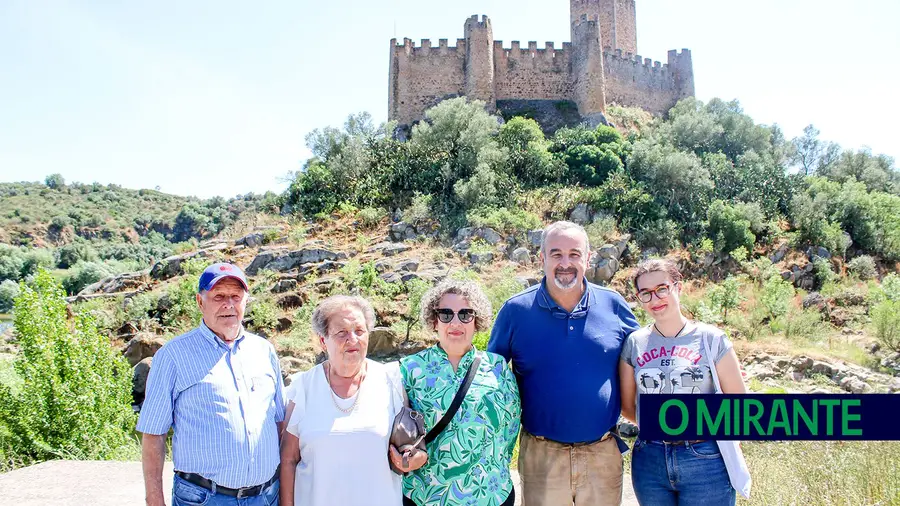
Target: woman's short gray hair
563	226
468	290
325	309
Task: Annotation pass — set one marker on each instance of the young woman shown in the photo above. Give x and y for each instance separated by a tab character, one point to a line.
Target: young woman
668	356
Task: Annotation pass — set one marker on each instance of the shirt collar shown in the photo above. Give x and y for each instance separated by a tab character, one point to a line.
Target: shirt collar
547	302
216	340
464	362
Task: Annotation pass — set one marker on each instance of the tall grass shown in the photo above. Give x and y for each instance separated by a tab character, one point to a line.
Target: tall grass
824	472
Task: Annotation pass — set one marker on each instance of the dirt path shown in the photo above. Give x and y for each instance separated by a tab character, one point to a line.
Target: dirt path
76	483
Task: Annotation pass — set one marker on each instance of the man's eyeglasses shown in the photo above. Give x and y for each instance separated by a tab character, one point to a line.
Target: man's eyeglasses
446	315
661	291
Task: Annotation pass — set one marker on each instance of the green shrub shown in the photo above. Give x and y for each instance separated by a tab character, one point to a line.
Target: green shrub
9	290
601	231
886	320
183	312
776	296
70	254
264	315
84	274
728	226
504	220
370	217
75	396
480	340
724	296
863	267
506	286
661	234
270	235
797	323
823	272
419	210
12	262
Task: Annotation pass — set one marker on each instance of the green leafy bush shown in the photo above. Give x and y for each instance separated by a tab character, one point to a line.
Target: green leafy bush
70	254
9	290
776	297
886	320
370	217
729	227
84	274
863	267
724	297
75	396
504	220
264	315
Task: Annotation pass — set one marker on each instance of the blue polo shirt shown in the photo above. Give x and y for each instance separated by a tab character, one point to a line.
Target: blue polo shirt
566	363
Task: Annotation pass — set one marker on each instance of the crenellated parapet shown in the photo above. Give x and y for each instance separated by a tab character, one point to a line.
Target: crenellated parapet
599	66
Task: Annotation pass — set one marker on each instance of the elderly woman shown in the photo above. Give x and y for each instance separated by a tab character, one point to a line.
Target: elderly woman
340	414
669	356
468	463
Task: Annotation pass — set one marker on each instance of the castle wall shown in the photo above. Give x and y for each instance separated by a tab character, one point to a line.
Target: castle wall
640	82
479	62
421	77
617	20
531	73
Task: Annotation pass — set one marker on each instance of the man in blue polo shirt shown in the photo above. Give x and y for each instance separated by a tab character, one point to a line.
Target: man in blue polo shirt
219	387
563	337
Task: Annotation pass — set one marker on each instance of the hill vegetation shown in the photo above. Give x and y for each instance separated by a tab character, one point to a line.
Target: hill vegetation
792	246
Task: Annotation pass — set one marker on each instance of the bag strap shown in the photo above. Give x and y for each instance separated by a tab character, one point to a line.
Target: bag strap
457	401
712	360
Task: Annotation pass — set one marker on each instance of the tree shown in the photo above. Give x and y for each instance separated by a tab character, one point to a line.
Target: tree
876	172
9	290
528	150
75	397
55	181
729	227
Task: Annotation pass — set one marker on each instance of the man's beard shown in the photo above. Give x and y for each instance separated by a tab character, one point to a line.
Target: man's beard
562	285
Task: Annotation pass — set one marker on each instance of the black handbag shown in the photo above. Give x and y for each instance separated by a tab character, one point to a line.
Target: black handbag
408	431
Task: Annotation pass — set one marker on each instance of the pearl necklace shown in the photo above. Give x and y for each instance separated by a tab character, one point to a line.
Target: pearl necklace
334	396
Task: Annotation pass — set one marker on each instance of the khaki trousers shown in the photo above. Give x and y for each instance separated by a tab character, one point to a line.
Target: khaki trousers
556	474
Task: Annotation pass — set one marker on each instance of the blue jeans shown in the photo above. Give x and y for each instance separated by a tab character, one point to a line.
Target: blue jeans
680	475
185	493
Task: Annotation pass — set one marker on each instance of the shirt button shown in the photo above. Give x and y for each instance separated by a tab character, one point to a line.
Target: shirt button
571	328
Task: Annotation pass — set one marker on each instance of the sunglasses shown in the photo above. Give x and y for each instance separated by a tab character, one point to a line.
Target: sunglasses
661	291
446	315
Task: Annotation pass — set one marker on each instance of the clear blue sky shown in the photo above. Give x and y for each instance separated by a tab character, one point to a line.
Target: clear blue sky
214	97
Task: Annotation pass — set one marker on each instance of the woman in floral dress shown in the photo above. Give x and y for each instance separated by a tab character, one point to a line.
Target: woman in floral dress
468	463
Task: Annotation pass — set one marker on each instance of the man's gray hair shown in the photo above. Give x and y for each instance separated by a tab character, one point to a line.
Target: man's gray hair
325	309
563	226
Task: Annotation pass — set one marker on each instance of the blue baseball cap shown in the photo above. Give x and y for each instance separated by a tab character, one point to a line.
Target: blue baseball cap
217	272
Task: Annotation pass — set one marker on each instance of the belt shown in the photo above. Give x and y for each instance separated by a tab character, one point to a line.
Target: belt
576	445
239	493
682	443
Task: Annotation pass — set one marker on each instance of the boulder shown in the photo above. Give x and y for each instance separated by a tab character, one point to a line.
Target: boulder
814	300
780	253
824	368
130	281
608	251
382	342
388	249
282	261
521	256
581	214
464	233
284	324
534	237
489	235
289	367
409	276
481	258
801	363
290	301
139	380
391	277
253	240
410	265
285	285
401	231
817	252
320	268
170	267
141	347
382	266
622	244
603	270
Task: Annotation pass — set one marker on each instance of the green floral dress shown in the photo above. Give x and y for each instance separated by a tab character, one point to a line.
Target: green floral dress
468	463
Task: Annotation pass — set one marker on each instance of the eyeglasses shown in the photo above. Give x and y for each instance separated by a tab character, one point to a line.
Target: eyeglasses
661	291
446	315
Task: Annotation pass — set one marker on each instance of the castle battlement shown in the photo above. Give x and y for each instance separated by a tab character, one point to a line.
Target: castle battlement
600	65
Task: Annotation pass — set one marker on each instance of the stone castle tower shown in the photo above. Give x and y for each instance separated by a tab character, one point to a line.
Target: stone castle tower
599	66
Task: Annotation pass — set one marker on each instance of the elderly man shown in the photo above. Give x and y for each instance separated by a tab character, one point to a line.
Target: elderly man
219	387
563	337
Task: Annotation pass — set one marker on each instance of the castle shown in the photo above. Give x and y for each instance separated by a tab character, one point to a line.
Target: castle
599	67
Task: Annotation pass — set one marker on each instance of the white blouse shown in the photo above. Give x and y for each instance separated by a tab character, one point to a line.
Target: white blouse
343	456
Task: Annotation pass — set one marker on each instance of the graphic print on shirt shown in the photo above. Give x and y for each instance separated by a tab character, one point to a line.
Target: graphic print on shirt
670	370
